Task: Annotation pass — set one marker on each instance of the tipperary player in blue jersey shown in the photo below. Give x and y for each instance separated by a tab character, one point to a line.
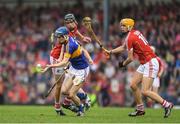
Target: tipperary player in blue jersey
78	71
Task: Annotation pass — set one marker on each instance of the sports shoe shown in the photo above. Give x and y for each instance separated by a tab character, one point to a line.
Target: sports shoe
58	109
137	113
87	105
167	110
80	113
60	112
71	107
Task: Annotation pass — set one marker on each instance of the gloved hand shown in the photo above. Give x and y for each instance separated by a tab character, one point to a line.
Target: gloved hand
121	64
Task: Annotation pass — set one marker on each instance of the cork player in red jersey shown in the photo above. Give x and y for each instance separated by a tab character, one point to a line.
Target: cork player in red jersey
136	43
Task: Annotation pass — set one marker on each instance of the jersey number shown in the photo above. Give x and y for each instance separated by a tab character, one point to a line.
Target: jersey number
140	36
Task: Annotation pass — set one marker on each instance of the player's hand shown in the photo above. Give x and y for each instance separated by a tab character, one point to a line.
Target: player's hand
91	62
43	70
121	64
87	39
159	75
106	52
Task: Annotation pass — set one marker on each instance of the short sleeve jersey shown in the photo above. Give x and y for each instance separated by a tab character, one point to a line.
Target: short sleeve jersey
137	42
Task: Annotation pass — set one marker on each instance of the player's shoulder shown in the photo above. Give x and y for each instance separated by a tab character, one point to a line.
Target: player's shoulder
135	32
72	42
131	35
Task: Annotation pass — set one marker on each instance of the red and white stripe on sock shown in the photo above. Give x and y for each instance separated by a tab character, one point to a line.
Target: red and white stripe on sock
165	104
140	107
66	101
57	106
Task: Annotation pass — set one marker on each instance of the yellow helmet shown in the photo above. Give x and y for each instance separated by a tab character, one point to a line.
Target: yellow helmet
128	22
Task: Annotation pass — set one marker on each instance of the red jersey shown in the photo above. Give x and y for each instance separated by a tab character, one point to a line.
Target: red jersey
136	41
55	52
73	33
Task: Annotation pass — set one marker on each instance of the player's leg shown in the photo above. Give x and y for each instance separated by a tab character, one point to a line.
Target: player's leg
57	72
156	85
154	88
84	98
137	78
67	84
57	96
146	89
72	94
147	84
80	76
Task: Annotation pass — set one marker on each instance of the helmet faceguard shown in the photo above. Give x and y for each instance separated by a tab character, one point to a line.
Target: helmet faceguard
70	18
61	32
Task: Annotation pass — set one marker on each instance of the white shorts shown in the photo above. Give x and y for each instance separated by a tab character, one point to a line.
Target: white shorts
80	74
56	71
149	69
156	82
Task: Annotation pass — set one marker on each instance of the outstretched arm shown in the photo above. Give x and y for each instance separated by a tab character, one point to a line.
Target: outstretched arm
83	38
61	64
119	49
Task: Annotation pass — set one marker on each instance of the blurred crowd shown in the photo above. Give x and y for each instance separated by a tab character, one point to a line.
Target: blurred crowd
24	42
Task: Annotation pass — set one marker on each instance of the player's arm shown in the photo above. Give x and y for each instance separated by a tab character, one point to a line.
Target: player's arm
88	57
130	53
63	63
83	38
67	56
128	60
61	54
119	49
161	70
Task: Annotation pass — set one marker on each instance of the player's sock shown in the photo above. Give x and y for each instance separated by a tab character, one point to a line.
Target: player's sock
87	103
165	104
82	96
81	108
66	101
87	99
57	106
140	107
58	109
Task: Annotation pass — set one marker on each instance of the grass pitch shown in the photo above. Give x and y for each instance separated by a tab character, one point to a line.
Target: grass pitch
46	114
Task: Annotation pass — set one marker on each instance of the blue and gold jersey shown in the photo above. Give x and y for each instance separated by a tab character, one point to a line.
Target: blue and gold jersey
76	55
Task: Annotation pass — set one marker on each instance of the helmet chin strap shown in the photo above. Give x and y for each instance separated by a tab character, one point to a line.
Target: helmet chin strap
129	28
66	38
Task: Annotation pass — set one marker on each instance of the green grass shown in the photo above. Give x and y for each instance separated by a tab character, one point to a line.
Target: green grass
46	114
